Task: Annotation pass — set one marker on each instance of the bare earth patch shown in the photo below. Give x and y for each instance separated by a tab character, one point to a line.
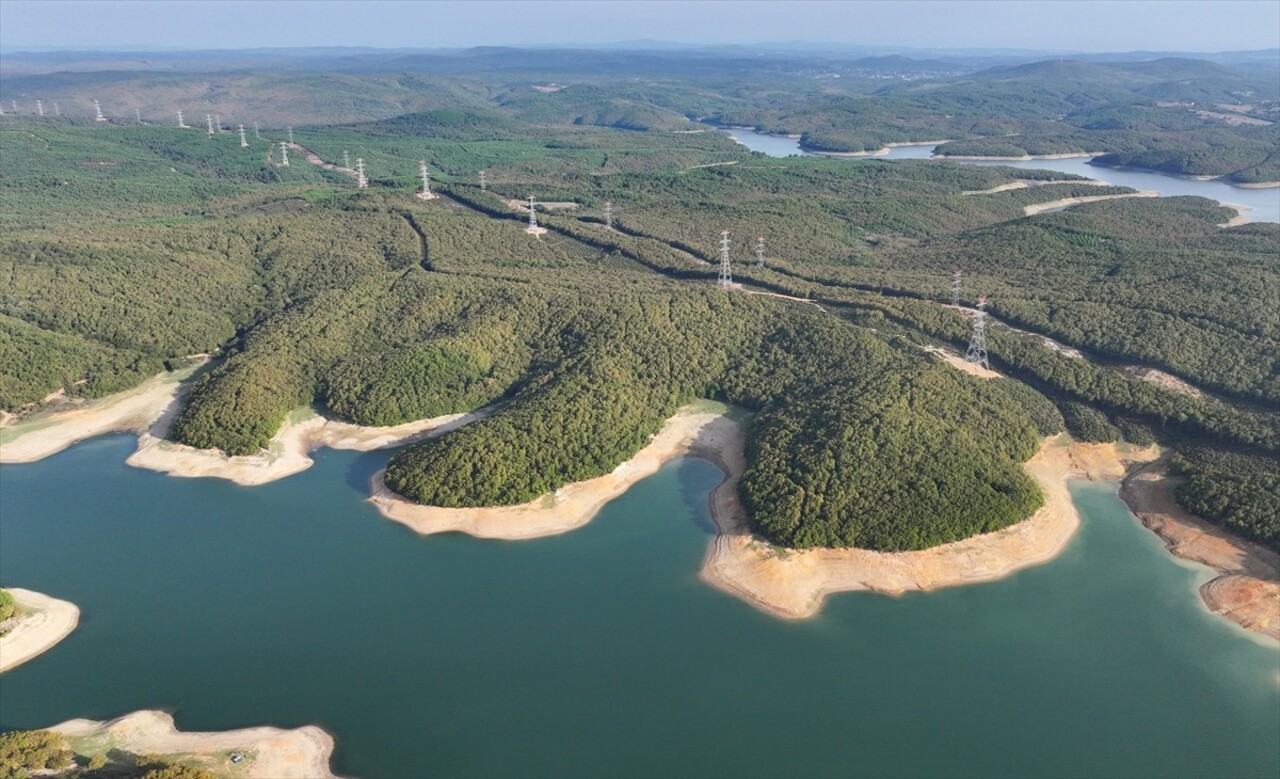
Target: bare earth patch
961	364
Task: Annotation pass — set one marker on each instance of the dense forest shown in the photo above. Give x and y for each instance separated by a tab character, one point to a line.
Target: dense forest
127	248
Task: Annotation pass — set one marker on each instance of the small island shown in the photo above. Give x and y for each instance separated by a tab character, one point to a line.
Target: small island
32	623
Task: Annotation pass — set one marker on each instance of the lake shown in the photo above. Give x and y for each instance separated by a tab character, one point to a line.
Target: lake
600	652
1263	204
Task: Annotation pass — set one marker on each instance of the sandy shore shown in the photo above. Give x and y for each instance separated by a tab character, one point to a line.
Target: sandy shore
788	583
133	410
569	507
1241	217
289	450
149	411
794	583
1023	158
1257	185
1247	591
1025	183
1053	205
46	622
270	753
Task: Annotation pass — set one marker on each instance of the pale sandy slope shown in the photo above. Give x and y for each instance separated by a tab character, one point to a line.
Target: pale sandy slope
270	753
130	411
47	621
150	409
288	452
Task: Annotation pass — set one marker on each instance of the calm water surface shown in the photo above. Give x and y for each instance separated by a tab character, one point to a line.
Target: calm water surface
1263	204
600	653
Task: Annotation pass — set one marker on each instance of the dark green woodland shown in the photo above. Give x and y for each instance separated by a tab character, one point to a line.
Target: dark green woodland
127	250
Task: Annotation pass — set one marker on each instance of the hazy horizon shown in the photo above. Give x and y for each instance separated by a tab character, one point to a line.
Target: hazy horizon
1049	26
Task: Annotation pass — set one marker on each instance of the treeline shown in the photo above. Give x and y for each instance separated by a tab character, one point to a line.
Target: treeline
1238	490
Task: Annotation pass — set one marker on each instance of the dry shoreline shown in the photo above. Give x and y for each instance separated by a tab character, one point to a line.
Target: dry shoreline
47	621
289	448
1247	588
1023	158
794	583
130	411
270	753
788	583
1053	205
150	409
570	506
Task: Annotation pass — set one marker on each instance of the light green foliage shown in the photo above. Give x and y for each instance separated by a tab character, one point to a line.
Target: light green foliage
24	752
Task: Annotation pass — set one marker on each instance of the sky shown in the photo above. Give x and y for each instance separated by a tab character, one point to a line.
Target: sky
1047	25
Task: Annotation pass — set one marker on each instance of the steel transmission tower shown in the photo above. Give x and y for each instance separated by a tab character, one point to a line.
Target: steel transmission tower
346	159
243	141
362	181
726	278
208	123
284	154
97	111
955	287
533	215
482	184
608	214
760	251
290	136
137	114
256	133
40	107
181	124
977	353
425	194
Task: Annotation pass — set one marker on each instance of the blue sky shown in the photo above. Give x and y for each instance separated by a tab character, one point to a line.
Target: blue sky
1057	25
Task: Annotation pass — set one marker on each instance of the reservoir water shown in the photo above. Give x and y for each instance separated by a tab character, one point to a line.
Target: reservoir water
1263	205
600	652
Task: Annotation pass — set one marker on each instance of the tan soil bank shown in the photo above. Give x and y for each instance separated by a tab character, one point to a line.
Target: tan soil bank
46	622
131	411
788	583
289	448
270	753
793	583
572	505
149	411
1248	590
1052	205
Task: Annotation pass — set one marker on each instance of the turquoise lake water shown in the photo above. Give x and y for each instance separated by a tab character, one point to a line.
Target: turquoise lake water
1262	205
599	652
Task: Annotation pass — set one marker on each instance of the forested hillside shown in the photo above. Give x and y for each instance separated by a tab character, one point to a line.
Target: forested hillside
127	247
